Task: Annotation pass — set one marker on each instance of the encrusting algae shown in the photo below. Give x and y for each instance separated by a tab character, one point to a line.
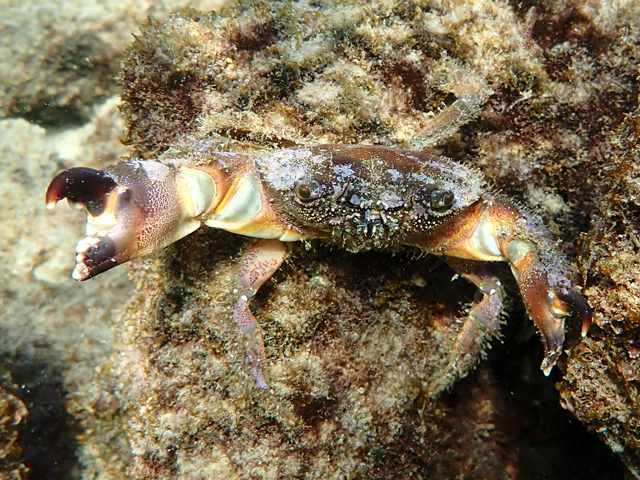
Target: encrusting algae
354	341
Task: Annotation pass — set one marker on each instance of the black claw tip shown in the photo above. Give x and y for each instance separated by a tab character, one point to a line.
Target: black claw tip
579	305
84	186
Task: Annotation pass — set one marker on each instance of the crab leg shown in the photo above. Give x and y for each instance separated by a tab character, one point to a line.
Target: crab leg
135	208
481	324
483	320
493	229
257	265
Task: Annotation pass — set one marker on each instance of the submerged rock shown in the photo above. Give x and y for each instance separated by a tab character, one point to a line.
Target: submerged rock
602	384
60	59
12	414
352	340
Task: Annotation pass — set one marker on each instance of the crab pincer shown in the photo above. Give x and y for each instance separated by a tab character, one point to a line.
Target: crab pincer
133	208
494	229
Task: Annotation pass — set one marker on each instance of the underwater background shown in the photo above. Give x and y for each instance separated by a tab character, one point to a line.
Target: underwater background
138	373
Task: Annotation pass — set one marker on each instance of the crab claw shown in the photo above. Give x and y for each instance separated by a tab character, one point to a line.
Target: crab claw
83	187
578	306
547	301
546	293
496	230
133	208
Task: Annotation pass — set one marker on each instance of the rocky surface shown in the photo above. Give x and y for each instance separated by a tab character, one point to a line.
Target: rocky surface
352	341
12	413
602	383
54	332
61	58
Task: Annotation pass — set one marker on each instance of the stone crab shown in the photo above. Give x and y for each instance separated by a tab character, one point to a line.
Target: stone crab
354	196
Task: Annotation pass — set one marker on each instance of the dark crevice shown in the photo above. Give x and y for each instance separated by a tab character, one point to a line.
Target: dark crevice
551	442
47	435
56	117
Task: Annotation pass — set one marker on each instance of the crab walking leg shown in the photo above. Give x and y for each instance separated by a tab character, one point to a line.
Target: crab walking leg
257	265
481	324
493	229
483	320
450	119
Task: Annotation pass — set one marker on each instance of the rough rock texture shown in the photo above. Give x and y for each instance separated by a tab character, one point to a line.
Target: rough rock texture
348	341
53	332
12	414
602	385
352	341
61	58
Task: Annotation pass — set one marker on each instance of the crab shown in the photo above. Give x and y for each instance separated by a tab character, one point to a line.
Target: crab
354	196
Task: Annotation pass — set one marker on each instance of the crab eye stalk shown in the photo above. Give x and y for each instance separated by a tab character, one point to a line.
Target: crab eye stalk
133	208
441	200
307	190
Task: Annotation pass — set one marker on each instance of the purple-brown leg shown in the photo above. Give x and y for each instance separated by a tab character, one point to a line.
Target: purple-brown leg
494	229
481	324
257	265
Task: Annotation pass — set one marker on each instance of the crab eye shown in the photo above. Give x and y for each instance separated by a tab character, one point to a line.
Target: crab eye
441	200
307	190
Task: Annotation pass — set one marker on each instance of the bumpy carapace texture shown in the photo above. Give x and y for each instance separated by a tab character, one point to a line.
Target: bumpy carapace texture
352	340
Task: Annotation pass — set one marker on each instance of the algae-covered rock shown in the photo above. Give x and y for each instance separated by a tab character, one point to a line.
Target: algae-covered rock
602	384
60	59
12	414
354	341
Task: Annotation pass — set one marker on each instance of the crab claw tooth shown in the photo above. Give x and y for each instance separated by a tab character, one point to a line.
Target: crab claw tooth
548	313
83	187
94	255
559	304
